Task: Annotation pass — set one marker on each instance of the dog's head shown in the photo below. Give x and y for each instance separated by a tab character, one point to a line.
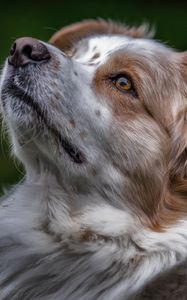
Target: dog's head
105	107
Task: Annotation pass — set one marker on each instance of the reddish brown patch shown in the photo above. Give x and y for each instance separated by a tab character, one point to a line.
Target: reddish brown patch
87	235
122	103
167	203
68	36
154	95
157	194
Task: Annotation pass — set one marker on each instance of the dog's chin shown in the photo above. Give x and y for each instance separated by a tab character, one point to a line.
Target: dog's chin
29	120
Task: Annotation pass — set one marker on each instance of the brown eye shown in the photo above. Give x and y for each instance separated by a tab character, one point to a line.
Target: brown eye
123	83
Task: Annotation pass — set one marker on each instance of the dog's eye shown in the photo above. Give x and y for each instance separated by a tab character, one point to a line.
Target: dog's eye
123	83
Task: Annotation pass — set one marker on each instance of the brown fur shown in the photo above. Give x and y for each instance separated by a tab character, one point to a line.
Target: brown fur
66	37
160	199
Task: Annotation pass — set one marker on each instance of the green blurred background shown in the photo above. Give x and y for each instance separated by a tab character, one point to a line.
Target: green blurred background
41	19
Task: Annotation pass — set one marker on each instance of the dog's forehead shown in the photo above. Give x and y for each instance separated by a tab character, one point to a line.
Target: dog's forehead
97	49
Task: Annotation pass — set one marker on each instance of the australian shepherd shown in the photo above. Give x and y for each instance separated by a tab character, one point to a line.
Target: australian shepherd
98	117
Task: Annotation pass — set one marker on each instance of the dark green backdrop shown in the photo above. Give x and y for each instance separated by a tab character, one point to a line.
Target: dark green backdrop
41	19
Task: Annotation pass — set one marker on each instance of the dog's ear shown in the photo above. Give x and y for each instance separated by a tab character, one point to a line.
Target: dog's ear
178	132
68	36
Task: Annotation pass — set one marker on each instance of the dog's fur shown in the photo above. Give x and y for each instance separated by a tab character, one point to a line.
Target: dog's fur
106	216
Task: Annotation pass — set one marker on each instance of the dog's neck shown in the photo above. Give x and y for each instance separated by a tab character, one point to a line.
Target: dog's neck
86	223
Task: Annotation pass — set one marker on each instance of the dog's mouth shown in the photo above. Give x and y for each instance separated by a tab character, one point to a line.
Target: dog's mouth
74	153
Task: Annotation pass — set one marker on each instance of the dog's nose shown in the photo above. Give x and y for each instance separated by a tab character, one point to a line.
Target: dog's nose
27	50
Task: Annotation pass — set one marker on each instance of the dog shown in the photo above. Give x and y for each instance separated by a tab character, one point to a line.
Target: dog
98	118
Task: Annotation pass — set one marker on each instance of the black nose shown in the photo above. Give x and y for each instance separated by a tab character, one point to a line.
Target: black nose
27	50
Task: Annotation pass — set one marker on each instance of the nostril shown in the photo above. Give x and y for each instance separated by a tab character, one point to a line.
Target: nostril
13	49
27	51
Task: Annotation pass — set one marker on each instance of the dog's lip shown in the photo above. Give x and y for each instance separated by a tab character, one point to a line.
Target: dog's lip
75	154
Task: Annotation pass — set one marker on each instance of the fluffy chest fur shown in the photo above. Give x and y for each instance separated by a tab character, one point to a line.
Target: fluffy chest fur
98	119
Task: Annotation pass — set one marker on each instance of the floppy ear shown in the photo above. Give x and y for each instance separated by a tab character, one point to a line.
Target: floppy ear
67	36
178	154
